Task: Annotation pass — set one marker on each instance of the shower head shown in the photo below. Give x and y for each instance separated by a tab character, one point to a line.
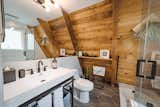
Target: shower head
151	25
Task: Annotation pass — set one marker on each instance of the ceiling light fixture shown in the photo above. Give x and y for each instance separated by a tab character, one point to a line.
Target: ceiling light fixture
46	4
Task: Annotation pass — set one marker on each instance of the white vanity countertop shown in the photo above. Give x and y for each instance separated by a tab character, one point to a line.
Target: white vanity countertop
22	90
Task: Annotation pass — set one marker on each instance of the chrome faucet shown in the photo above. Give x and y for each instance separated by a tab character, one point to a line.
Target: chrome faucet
39	68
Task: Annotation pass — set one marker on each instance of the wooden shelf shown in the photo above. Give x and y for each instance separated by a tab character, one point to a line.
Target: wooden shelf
94	58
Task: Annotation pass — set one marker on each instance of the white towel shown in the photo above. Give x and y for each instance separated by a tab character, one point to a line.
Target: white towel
58	97
100	71
46	101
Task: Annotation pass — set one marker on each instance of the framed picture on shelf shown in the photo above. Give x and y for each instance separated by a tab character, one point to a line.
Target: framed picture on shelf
62	52
104	54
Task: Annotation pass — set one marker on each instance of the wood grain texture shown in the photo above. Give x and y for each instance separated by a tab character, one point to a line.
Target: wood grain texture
127	49
49	49
39	40
70	29
105	25
92	26
45	30
115	12
89	62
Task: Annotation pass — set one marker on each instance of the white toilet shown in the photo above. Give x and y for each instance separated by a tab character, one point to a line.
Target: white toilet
82	87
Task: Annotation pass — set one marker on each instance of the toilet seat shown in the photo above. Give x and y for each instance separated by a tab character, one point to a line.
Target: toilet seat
83	84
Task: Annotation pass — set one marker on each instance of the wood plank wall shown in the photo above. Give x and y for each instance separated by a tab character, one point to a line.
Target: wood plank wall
129	17
93	28
49	49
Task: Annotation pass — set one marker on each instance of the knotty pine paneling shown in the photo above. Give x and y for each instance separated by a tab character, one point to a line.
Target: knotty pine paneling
48	49
95	31
129	17
92	27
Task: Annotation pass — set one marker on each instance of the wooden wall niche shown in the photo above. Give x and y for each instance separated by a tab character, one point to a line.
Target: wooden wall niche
89	62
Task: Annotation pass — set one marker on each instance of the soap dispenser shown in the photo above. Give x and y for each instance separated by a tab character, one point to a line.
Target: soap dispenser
54	63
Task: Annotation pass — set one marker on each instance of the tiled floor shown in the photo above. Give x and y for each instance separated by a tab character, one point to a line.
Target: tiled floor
106	97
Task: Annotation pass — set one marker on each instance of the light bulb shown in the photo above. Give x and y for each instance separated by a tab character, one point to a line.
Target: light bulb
47	9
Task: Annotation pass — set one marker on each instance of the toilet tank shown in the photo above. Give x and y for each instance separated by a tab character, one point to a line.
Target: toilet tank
70	62
76	74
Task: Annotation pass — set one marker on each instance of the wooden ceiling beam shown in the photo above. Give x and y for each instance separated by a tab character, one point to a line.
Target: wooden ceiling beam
70	29
115	12
39	40
48	32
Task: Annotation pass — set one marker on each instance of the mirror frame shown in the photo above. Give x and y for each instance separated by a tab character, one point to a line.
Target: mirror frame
2	20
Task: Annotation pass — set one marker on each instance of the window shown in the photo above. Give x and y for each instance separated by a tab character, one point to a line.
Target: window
13	40
30	41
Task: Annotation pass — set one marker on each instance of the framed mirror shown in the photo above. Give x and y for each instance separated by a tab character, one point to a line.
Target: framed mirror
2	20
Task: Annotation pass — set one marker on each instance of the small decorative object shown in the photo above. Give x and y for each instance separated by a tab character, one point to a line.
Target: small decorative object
87	73
62	52
9	75
21	73
74	53
54	63
85	54
80	53
104	54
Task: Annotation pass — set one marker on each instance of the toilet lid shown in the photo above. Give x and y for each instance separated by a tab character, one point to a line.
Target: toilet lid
83	84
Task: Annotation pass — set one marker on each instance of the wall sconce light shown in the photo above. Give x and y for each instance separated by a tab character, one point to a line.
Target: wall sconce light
44	41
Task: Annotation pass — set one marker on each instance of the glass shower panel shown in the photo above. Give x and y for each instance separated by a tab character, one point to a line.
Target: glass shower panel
147	93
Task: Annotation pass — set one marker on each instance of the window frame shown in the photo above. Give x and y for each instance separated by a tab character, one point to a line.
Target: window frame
22	40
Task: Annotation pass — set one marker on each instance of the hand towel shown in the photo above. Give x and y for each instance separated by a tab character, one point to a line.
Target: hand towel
46	101
58	97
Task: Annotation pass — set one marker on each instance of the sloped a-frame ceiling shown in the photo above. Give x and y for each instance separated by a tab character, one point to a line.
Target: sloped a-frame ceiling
27	11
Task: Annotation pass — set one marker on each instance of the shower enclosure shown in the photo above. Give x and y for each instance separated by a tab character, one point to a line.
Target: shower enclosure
147	92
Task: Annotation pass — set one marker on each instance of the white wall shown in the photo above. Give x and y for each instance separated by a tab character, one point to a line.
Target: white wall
71	62
18	55
1	80
1	77
39	54
13	55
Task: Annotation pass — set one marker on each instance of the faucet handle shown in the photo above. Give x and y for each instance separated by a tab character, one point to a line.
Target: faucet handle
31	70
45	68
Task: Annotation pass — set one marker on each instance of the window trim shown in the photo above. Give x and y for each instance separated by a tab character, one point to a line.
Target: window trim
22	40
